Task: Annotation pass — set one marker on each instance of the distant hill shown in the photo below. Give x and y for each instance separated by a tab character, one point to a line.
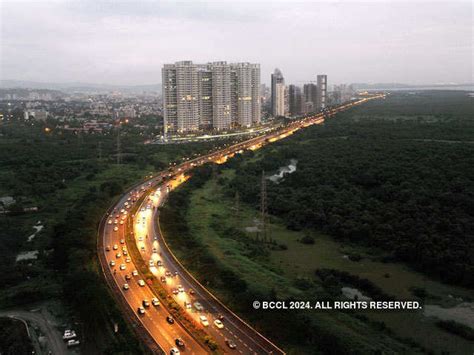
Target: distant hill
78	87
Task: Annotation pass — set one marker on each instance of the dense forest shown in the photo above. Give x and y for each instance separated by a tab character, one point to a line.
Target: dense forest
395	174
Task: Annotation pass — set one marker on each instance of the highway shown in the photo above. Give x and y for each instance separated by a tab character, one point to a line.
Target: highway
175	279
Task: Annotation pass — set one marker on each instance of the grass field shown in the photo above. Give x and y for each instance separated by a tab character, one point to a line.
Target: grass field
211	211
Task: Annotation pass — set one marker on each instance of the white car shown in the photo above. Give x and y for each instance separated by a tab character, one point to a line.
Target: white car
152	263
118	255
122	241
73	342
69	334
218	324
198	306
121	222
116	221
110	221
135	273
155	302
141	310
115	229
122	267
174	351
126	287
180	288
141	283
127	259
115	246
112	263
204	321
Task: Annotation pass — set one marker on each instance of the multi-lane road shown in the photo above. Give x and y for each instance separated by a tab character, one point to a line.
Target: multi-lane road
230	332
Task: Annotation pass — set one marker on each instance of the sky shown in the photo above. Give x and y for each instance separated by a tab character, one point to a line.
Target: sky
127	42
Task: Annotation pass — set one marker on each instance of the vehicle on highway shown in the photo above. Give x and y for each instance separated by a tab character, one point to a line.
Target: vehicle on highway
198	306
122	241
116	221
168	273
187	305
175	291
163	279
115	229
112	263
110	221
230	344
180	288
128	277
115	246
107	248
204	321
141	283
218	324
191	291
169	319
127	260
174	351
179	342
159	263
141	310
123	267
126	287
154	250
135	273
140	238
143	247
121	223
118	255
155	302
151	262
146	303
125	252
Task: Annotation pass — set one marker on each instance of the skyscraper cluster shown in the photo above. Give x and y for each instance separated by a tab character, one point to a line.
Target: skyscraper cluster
212	96
291	100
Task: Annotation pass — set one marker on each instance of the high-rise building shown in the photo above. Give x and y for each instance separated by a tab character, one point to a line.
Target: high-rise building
278	94
210	96
295	100
322	81
310	97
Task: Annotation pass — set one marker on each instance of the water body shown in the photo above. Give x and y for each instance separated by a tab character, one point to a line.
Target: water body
353	293
462	313
37	229
27	255
282	171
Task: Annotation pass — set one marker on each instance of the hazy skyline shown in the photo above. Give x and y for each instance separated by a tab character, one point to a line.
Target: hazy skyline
128	42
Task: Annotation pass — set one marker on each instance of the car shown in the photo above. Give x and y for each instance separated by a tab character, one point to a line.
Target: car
230	344
112	263
141	283
146	303
163	279
115	229
142	247
126	287
125	252
122	210
180	288
175	291
107	248
191	291
155	302
179	342
69	334
175	274
128	277
187	305
115	246
121	222
116	221
204	321
167	273
174	351
169	319
110	221
123	267
135	273
118	255
151	262
198	306
159	263
218	324
141	310
154	250
140	239
122	241
73	342
127	259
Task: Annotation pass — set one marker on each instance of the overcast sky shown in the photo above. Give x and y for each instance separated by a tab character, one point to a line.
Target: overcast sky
127	42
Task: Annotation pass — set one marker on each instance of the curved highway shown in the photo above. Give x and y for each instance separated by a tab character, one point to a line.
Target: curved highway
230	332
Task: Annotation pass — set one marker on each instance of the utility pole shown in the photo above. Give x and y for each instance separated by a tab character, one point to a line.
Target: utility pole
263	208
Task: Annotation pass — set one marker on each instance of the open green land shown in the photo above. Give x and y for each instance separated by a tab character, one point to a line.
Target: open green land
400	164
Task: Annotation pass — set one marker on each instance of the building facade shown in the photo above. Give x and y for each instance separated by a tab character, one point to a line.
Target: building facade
216	96
322	92
278	94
